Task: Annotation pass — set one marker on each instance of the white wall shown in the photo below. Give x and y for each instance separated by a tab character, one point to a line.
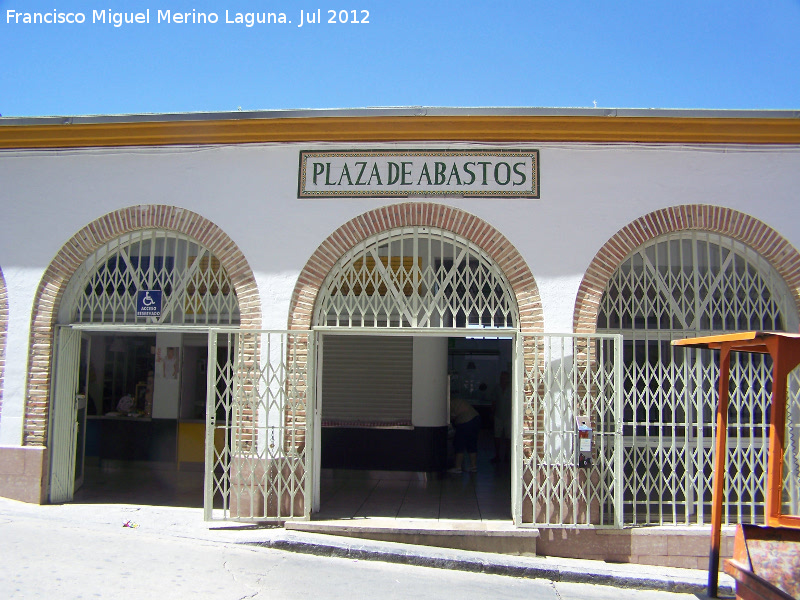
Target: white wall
429	382
167	386
588	192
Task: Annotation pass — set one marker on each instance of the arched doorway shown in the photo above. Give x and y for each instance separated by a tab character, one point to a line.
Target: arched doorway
406	291
682	272
140	377
674	287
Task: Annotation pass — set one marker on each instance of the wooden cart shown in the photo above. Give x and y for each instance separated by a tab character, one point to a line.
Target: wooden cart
766	562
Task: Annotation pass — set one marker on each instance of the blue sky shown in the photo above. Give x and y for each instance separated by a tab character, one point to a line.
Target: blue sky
681	54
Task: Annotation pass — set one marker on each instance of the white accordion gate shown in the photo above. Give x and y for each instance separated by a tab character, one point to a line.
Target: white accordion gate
259	445
677	286
562	378
790	502
257	433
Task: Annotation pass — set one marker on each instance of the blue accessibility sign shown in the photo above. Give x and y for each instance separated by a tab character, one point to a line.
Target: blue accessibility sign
148	303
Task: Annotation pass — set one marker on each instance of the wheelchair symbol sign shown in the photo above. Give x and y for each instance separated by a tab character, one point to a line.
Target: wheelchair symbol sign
148	303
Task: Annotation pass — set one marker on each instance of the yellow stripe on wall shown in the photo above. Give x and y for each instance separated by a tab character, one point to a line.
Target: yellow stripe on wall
407	129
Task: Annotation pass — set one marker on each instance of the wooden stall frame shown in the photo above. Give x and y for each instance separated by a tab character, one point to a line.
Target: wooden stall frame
784	348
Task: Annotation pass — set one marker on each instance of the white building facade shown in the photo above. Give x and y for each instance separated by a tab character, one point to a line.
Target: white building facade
598	238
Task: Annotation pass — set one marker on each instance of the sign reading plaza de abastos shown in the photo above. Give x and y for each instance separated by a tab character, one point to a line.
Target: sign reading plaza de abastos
399	173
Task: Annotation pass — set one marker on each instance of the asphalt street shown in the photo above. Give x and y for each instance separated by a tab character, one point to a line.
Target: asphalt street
111	551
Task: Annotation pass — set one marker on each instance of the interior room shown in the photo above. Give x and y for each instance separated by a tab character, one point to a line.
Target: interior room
145	416
387	440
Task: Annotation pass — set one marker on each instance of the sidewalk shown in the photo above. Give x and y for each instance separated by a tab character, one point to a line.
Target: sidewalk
188	524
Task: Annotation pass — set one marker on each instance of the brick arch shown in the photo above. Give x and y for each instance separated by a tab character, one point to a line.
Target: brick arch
409	214
79	247
759	236
3	334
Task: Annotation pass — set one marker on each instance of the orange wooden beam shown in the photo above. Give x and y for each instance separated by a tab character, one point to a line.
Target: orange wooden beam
720	457
784	349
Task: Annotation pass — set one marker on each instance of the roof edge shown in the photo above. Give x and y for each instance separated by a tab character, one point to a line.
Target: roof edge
402	111
482	125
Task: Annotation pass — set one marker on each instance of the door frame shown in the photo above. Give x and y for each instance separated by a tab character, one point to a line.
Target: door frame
59	432
62	430
516	400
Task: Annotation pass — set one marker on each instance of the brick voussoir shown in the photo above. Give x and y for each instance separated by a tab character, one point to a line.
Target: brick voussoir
77	249
714	219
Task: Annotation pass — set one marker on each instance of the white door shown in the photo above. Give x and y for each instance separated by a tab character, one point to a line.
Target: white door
64	415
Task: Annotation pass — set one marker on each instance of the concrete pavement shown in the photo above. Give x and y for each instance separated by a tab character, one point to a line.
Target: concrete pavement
186	525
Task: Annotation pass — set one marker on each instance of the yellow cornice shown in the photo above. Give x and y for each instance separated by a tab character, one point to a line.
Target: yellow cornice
701	130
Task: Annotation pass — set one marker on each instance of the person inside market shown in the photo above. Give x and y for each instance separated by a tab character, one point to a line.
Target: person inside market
467	423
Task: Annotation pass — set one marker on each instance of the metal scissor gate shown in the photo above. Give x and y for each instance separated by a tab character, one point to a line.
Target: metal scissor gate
257	442
566	380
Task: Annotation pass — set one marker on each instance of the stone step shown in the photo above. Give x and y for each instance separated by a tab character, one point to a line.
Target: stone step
478	536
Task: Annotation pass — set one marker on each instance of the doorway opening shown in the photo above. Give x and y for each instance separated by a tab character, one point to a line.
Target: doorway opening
389	313
386	437
135	370
145	398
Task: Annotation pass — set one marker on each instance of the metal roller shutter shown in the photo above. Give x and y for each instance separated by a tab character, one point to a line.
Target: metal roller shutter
367	380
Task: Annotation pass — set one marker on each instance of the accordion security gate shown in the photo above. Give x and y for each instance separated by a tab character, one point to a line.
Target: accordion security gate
561	378
678	286
791	457
660	479
650	405
257	453
259	447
